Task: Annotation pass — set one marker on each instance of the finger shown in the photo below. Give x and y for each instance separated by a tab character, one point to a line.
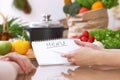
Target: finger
90	45
71	72
33	68
26	65
71	60
66	55
29	66
80	43
66	75
6	59
74	64
86	44
22	64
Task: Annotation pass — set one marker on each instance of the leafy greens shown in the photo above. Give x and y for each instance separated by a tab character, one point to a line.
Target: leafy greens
109	38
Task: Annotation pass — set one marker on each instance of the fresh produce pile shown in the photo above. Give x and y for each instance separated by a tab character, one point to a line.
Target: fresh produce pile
85	37
109	38
80	6
19	46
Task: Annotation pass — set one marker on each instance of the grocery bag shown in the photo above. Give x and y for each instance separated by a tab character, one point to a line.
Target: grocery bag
93	19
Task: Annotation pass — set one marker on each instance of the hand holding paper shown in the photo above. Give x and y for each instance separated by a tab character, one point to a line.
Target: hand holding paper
49	52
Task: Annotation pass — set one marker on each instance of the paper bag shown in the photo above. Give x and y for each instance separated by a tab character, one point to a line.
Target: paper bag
90	20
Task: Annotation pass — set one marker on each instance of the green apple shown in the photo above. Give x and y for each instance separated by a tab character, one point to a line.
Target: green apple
5	47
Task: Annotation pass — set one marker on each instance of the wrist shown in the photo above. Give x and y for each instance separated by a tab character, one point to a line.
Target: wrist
96	58
108	58
100	58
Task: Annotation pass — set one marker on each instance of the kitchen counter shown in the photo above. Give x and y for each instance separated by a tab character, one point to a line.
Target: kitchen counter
67	72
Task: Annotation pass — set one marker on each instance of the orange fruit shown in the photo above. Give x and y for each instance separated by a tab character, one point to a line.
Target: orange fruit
21	46
97	5
67	1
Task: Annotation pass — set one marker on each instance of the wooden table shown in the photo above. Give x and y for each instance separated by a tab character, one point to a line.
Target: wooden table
30	54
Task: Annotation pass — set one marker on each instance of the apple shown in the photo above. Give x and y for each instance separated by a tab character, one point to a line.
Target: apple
5	47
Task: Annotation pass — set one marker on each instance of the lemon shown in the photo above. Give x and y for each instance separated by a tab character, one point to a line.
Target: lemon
21	46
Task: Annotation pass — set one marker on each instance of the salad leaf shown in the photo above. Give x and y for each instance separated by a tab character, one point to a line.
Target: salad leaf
109	38
107	3
110	3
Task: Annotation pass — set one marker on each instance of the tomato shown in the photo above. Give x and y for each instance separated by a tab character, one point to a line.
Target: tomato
91	39
83	9
84	38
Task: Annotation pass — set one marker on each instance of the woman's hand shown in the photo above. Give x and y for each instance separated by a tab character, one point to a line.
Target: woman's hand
21	60
88	44
86	55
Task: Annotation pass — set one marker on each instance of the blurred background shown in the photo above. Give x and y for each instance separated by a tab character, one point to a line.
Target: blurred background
53	7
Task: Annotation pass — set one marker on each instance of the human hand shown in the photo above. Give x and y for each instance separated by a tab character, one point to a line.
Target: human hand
84	56
21	60
87	44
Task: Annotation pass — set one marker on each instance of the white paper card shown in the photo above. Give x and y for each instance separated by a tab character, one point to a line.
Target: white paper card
49	52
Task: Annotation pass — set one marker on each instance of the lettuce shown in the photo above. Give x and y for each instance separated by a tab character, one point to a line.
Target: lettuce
110	3
109	38
107	3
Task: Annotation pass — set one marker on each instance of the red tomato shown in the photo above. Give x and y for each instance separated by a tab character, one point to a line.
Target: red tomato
85	33
81	10
91	39
83	38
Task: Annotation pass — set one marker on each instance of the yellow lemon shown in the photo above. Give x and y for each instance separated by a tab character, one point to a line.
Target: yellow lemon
21	46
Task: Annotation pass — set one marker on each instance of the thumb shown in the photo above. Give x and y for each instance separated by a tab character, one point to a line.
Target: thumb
80	43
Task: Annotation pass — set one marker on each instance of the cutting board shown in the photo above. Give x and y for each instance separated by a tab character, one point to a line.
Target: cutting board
30	54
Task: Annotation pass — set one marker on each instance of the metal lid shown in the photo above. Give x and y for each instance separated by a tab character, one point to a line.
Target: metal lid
46	23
